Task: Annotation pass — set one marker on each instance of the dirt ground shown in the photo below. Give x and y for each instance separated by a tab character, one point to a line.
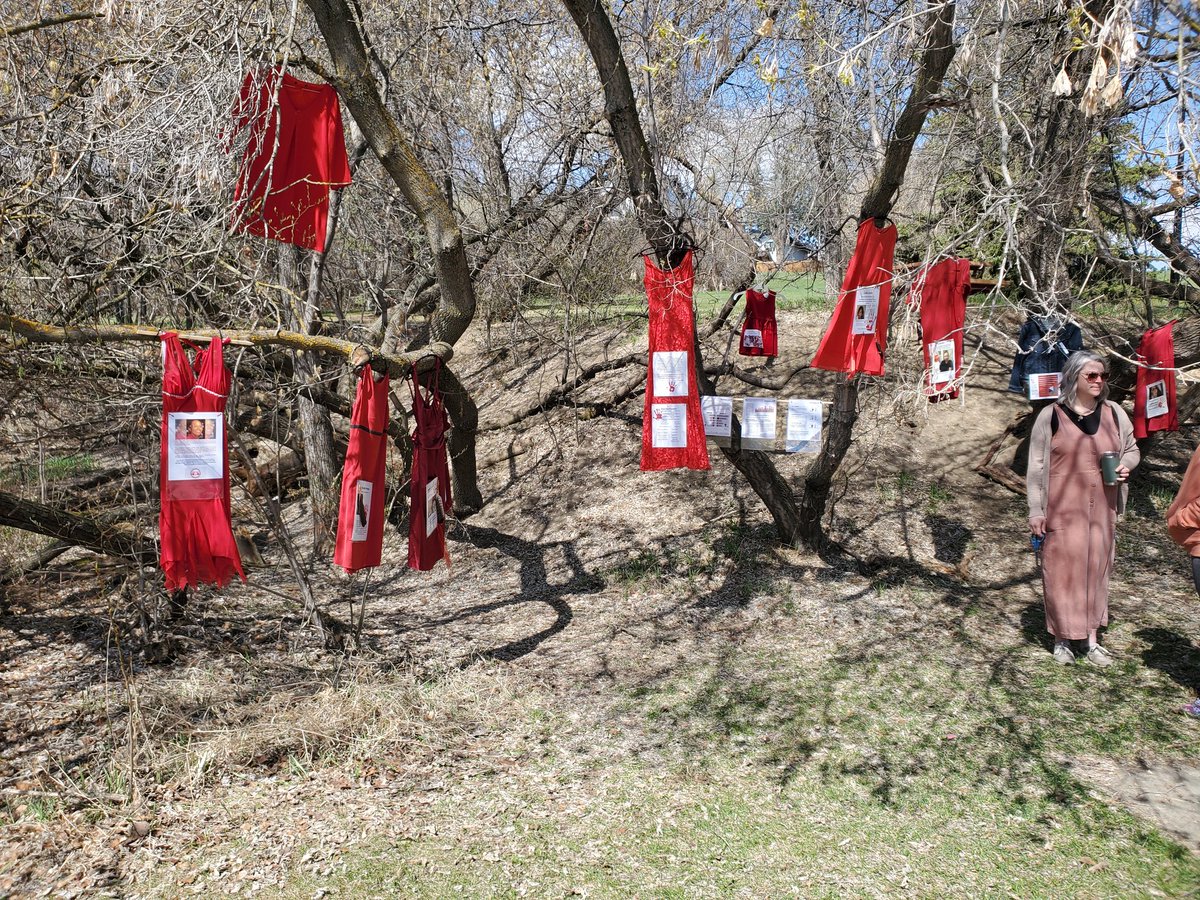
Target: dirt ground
581	586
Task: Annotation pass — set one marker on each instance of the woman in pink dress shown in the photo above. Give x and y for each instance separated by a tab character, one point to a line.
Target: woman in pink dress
1070	506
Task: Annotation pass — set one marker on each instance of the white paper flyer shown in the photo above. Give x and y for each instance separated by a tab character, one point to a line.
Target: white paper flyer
803	426
195	446
1156	399
718	415
670	373
668	424
942	364
362	511
758	422
866	309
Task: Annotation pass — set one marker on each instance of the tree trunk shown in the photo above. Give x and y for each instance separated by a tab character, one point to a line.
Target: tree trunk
316	428
464	419
81	531
354	83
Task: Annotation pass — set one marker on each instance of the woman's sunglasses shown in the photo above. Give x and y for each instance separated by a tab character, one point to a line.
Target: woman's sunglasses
1096	376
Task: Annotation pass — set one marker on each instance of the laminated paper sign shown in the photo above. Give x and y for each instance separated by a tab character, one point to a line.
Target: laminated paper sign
942	364
718	416
866	309
1156	399
362	511
670	373
669	424
431	507
804	426
1044	386
195	446
758	423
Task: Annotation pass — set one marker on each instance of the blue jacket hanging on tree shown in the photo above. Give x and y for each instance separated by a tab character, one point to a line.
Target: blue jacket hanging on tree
1045	342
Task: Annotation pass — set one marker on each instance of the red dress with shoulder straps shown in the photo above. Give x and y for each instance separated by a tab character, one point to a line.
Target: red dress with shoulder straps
197	545
430	501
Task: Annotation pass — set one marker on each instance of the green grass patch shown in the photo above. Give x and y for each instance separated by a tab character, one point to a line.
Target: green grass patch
53	468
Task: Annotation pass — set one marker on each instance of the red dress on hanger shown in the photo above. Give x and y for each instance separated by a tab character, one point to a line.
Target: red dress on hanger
1156	376
856	336
942	290
295	154
672	426
360	516
430	501
196	538
760	334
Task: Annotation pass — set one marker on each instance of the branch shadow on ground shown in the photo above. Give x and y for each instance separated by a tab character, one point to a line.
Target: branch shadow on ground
535	587
1173	655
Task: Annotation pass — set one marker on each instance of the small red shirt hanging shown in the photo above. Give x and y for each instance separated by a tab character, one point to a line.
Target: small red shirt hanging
196	538
942	292
672	426
759	332
430	502
360	516
1154	407
295	153
856	336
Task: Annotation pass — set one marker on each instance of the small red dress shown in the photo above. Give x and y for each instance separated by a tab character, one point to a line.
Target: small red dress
430	501
760	334
197	545
360	516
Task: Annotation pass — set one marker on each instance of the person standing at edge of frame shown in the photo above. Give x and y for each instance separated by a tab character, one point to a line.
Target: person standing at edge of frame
1183	524
1074	507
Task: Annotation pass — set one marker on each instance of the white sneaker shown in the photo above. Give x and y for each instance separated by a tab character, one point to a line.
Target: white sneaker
1063	655
1098	656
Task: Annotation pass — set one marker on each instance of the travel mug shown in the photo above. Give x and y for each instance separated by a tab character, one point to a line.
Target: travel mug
1108	466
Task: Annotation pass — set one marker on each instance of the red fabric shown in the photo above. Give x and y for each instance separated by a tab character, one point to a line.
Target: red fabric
196	538
295	153
760	317
1156	359
942	292
841	350
429	462
672	331
360	517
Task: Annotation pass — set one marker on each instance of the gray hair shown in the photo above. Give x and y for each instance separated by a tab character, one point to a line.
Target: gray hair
1073	369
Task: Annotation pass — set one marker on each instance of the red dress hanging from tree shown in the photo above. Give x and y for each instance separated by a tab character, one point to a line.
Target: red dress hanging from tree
857	334
197	545
942	291
1154	407
760	334
360	515
430	501
672	427
296	152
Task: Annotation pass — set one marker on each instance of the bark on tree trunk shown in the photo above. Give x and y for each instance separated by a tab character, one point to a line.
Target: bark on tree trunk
464	417
75	529
355	85
316	428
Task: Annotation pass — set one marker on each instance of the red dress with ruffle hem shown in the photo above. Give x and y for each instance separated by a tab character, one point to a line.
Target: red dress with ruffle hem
197	544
